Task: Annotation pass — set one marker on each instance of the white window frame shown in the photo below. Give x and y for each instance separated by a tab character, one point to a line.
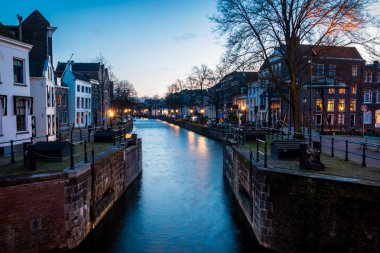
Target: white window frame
318	119
367	117
333	105
367	96
354	70
340	119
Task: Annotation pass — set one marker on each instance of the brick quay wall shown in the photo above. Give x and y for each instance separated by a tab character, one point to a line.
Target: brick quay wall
299	211
58	210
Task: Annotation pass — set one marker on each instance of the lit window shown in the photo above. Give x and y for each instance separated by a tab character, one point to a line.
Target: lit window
353	105
354	70
341	105
18	70
331	90
319	105
342	90
353	89
330	105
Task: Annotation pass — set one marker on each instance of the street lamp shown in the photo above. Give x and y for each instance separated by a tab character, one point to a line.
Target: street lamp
304	101
313	54
202	111
111	114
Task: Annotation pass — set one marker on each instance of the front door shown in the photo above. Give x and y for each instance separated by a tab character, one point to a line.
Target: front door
34	126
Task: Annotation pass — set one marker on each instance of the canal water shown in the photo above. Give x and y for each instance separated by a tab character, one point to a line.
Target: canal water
181	203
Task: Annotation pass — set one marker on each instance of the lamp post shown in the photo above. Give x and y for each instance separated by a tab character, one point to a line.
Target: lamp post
111	114
304	101
313	53
202	112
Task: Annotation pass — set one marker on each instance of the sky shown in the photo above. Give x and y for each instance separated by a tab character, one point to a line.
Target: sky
151	43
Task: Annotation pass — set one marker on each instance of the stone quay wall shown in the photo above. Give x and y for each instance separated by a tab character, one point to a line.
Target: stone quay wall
58	210
298	211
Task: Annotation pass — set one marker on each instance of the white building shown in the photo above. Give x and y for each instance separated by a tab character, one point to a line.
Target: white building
16	104
43	93
257	104
80	87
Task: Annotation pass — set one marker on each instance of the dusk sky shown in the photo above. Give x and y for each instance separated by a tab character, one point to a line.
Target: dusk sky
148	42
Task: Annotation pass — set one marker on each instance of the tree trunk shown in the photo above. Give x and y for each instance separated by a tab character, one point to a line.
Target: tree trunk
295	102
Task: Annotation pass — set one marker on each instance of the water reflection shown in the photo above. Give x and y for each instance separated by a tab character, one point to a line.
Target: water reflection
180	204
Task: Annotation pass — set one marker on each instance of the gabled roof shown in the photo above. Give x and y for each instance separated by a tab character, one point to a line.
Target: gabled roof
90	69
80	76
4	31
36	13
340	52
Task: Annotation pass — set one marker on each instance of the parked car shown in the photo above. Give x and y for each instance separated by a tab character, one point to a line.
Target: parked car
194	119
224	125
211	123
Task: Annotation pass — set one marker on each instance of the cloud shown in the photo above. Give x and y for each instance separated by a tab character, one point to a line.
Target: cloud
184	37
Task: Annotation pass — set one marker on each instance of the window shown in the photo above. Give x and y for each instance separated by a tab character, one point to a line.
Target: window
49	124
18	70
21	114
370	76
378	96
82	88
65	117
64	100
319	105
353	105
342	90
332	68
320	69
365	76
53	124
52	96
353	88
331	90
367	96
368	117
318	121
78	88
330	119
48	95
59	99
78	102
330	105
82	117
341	105
341	119
82	102
354	70
78	117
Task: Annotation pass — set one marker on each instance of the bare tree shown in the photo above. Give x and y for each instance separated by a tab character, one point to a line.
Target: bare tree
203	78
255	29
124	96
104	89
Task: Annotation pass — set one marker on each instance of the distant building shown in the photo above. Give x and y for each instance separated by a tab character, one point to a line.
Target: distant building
62	105
16	103
79	96
36	30
101	91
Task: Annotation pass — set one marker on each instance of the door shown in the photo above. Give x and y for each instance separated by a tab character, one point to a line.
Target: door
34	126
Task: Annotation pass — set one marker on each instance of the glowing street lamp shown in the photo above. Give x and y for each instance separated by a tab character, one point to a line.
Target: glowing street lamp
111	114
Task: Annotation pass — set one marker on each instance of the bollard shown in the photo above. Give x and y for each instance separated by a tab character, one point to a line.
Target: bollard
257	150
85	152
332	147
93	155
363	162
265	155
71	156
346	152
12	153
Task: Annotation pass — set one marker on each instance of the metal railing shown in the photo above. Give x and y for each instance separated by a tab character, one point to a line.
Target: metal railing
74	136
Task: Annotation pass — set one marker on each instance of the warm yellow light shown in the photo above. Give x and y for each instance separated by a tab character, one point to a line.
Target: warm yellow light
125	110
176	110
202	111
128	135
191	110
243	108
171	110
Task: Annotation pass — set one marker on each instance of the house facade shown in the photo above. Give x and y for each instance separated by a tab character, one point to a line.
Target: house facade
371	98
101	90
36	30
79	97
62	105
16	103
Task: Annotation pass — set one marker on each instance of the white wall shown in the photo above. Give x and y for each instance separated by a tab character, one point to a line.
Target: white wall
10	49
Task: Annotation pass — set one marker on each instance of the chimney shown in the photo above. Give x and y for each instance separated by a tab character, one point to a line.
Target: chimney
19	27
50	31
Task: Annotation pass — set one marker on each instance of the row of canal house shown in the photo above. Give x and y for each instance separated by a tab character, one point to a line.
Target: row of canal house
341	83
33	101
